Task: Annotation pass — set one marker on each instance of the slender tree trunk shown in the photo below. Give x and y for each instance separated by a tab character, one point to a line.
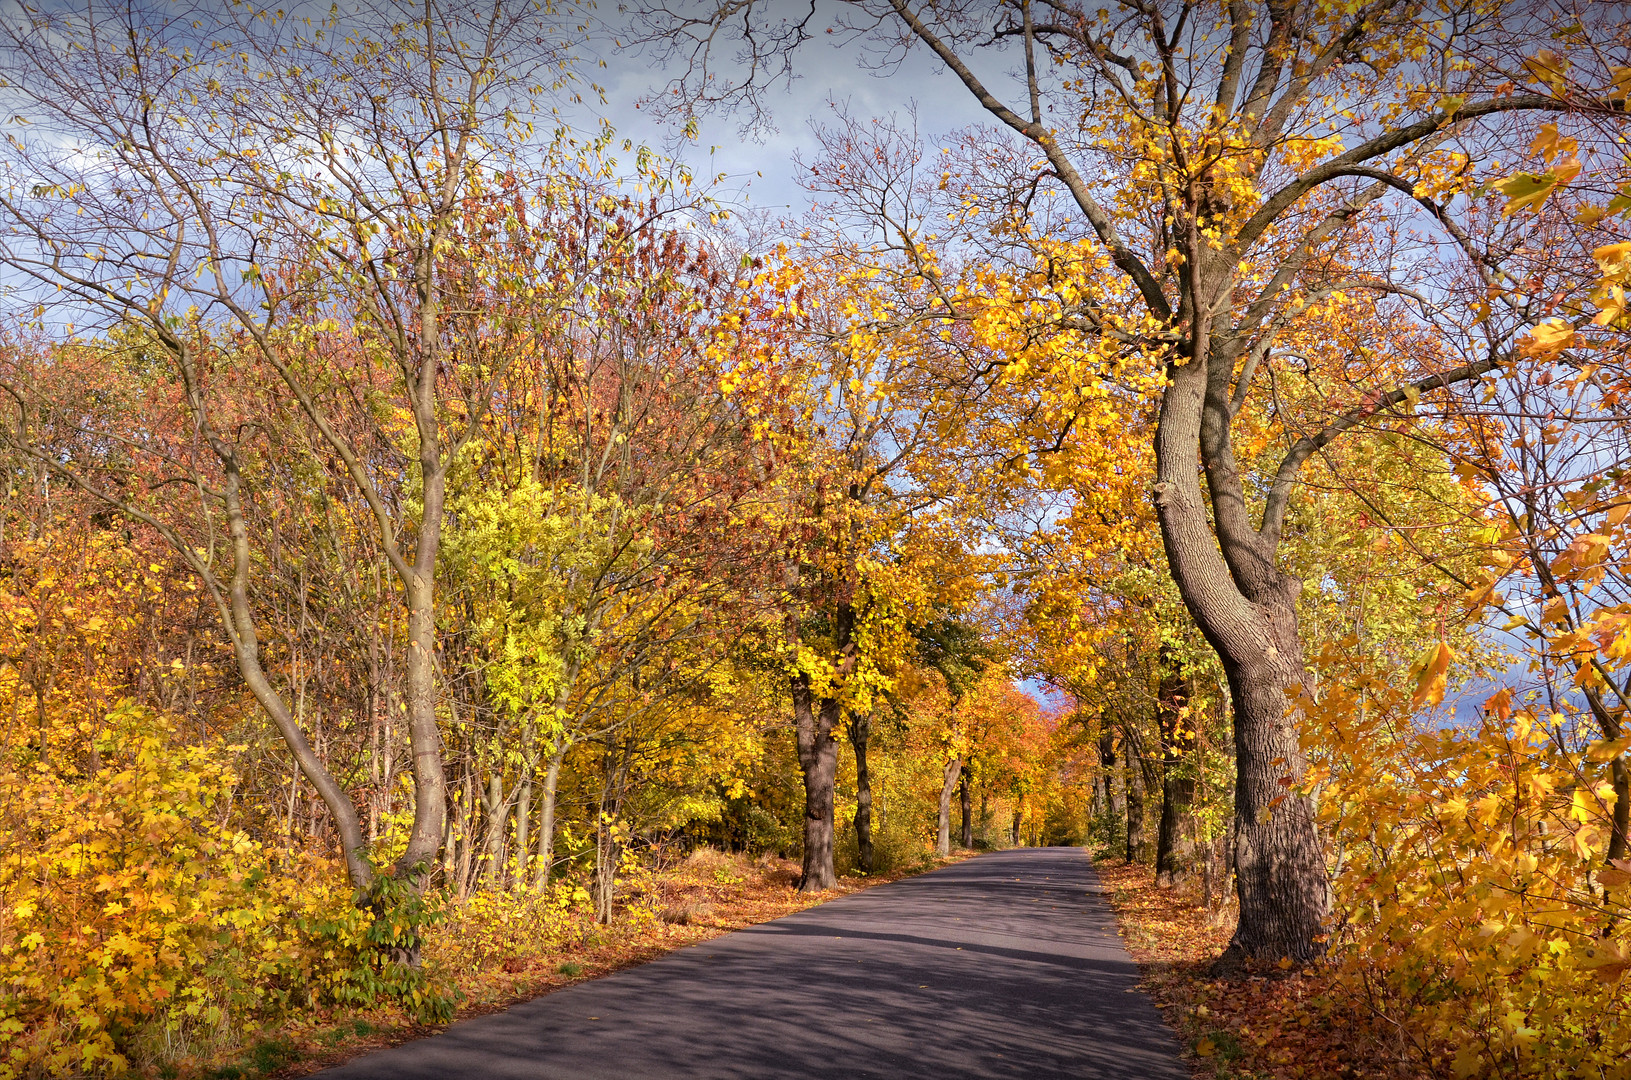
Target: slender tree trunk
1619	840
814	720
609	842
523	810
546	815
860	730
942	842
965	796
1176	839
239	620
424	732
1137	841
498	815
1619	836
1018	817
467	837
1107	768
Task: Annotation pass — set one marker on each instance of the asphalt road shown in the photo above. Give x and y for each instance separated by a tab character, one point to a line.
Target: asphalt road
1004	965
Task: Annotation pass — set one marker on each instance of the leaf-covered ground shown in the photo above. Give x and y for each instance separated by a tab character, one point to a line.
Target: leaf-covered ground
1261	1025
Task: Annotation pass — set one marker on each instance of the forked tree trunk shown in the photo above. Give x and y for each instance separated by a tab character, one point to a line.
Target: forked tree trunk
814	720
942	841
860	730
1246	607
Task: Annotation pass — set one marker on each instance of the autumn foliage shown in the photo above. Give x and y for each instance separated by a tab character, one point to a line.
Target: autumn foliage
440	548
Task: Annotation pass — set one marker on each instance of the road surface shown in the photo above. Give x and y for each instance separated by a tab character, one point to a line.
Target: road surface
1004	965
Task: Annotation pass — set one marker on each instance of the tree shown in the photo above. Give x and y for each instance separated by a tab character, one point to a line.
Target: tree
270	203
870	493
1248	153
958	653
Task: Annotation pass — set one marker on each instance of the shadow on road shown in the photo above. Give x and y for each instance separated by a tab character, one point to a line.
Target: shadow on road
1005	965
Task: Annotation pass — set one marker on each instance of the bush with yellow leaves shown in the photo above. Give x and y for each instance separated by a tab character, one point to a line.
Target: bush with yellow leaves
132	914
122	900
1474	905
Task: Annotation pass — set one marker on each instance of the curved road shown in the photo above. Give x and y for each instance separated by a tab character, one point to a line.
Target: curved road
1004	965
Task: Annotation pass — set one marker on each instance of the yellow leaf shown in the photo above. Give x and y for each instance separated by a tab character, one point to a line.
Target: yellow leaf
1604	751
1526	191
1548	337
1434	675
1206	1048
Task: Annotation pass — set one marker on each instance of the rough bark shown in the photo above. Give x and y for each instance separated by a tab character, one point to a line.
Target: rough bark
942	842
814	720
860	731
1246	607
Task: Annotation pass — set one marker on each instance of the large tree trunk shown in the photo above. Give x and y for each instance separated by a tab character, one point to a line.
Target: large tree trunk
860	730
1176	846
967	801
814	720
1246	607
942	836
